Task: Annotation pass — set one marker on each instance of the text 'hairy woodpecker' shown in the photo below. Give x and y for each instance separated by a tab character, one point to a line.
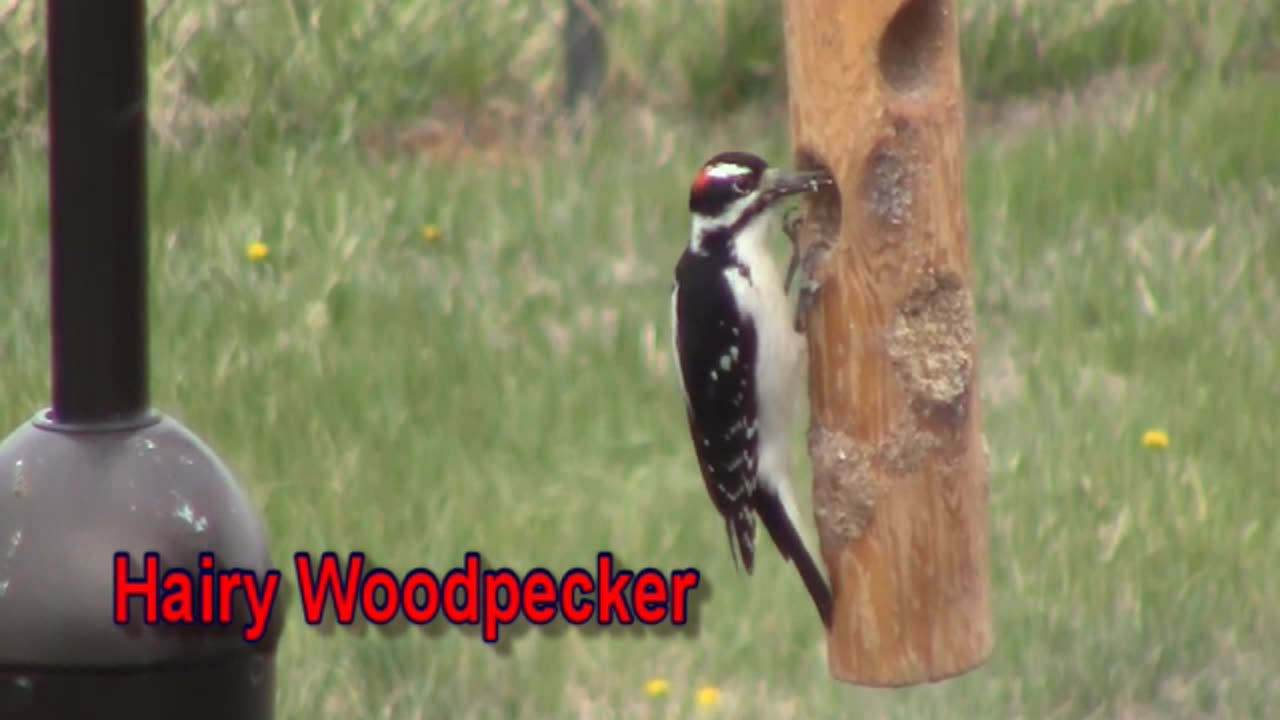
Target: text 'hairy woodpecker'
740	356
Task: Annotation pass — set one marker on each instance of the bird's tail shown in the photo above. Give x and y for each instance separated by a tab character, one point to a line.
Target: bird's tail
779	520
741	526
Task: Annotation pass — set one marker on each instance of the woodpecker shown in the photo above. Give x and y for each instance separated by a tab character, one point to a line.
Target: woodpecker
739	355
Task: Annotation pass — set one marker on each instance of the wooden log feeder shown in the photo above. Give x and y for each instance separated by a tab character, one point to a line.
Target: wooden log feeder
900	463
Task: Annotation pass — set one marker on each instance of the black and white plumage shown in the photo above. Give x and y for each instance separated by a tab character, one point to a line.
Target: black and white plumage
739	357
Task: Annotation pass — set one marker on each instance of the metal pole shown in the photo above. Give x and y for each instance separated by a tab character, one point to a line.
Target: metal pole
97	185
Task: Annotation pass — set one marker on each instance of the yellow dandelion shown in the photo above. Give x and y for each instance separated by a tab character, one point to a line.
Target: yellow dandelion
1155	439
257	252
656	688
708	696
430	233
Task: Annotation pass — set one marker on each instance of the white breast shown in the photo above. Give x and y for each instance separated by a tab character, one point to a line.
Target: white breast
780	353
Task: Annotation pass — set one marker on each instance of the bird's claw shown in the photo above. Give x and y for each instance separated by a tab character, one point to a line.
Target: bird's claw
792	221
807	297
807	262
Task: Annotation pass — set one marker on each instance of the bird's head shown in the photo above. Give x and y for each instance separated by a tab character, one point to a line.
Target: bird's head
733	188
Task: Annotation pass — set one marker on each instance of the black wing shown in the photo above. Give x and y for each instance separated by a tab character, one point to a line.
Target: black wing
717	347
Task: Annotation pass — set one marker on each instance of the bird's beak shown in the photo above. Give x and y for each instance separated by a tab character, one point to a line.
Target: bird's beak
778	184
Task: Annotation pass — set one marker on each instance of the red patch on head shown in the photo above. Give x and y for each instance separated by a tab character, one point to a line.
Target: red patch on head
701	181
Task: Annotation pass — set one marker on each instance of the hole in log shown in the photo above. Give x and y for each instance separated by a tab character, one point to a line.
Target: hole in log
850	476
931	343
845	489
822	211
889	185
890	182
912	45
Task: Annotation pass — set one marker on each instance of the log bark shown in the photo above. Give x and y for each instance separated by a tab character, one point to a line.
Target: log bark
900	462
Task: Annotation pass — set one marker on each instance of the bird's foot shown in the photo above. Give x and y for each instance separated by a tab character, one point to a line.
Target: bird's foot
808	262
792	221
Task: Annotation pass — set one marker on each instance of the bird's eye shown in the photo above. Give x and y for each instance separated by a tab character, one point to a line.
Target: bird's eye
739	187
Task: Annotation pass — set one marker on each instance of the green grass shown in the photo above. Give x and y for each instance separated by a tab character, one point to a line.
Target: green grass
508	388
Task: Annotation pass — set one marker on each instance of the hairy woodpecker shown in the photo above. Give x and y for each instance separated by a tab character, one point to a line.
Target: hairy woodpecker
739	356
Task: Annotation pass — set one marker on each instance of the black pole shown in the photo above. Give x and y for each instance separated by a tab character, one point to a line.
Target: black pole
97	185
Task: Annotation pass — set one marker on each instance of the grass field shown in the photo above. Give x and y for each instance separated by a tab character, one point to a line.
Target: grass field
500	381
